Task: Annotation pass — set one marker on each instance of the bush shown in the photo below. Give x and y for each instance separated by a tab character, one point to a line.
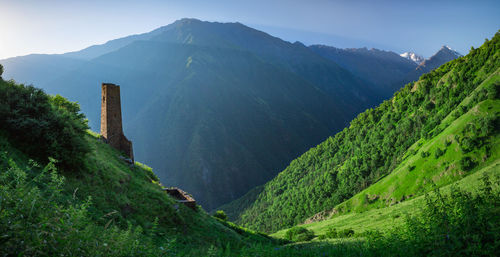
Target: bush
467	163
220	214
438	153
348	232
149	171
467	144
424	154
331	233
42	125
493	90
299	234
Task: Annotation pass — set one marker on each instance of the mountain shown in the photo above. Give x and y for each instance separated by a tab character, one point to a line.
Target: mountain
381	68
386	70
214	108
39	68
102	205
445	54
418	59
433	132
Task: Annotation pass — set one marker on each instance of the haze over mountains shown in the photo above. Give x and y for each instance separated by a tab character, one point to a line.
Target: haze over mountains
386	69
219	108
381	68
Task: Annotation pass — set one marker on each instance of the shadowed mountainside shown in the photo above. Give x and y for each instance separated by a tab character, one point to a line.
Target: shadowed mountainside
214	108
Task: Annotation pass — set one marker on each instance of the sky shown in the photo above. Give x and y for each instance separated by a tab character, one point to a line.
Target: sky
423	26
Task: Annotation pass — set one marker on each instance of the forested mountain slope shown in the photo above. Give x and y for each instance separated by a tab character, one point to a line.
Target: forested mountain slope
215	108
378	141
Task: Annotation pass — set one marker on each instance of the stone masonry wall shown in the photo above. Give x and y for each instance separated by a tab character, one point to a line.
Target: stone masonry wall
111	120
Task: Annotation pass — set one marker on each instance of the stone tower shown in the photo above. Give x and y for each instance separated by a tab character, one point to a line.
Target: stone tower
111	120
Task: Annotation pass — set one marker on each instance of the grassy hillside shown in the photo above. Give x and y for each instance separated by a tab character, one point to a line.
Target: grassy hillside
99	206
387	218
443	164
420	118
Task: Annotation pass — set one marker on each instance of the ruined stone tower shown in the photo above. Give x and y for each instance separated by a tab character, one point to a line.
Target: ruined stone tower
111	120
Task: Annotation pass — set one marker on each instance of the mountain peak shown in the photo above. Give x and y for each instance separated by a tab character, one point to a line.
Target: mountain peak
418	59
447	49
444	55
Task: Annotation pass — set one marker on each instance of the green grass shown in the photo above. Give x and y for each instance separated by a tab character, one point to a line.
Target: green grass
389	217
124	195
417	175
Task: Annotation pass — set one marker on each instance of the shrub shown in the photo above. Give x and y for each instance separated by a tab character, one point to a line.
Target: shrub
467	163
331	233
220	214
43	126
467	144
299	234
438	153
149	171
348	232
493	90
424	154
488	125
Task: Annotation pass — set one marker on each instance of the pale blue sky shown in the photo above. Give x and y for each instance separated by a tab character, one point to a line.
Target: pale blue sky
58	26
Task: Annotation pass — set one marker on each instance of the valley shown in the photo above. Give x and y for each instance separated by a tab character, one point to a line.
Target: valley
218	139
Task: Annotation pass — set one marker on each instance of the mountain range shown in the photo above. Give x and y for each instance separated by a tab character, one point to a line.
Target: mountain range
386	69
219	108
432	133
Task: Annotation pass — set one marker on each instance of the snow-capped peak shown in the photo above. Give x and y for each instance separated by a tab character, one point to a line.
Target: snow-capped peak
413	57
451	50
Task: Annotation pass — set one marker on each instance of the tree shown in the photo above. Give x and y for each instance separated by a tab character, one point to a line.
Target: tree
1	70
220	214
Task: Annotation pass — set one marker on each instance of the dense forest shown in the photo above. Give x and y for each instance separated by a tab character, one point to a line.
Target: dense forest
375	143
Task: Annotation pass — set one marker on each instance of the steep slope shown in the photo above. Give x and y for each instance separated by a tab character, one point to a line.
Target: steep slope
296	57
95	51
381	68
103	207
217	108
386	218
378	141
